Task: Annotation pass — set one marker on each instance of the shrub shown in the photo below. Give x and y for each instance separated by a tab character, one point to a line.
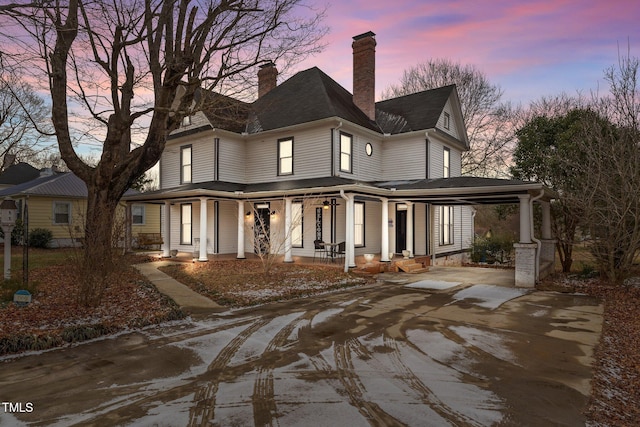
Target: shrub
40	238
496	248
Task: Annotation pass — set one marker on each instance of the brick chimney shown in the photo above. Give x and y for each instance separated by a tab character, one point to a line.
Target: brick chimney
364	73
267	78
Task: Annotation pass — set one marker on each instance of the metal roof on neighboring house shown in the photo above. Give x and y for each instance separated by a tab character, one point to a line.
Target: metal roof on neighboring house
57	185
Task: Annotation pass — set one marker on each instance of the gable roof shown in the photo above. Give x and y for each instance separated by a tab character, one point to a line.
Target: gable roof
18	173
57	185
417	111
308	96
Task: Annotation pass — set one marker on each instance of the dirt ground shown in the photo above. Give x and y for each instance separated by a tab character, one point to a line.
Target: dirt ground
436	352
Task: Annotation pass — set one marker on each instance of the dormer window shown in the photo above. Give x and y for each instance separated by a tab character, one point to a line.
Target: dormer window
186	121
447	121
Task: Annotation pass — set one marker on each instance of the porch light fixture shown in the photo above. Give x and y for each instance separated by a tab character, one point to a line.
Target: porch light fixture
325	205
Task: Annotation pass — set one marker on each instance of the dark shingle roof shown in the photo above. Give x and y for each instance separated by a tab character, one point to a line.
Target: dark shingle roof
418	111
307	96
56	185
18	173
454	182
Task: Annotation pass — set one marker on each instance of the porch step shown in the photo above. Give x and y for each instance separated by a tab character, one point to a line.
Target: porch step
410	266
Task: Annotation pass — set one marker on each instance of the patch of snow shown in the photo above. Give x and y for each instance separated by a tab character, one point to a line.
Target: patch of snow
488	296
489	342
168	414
323	316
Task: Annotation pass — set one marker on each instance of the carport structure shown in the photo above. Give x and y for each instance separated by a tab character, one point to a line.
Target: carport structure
535	257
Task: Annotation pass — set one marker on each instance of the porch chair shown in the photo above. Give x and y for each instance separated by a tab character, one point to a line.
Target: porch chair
341	250
318	247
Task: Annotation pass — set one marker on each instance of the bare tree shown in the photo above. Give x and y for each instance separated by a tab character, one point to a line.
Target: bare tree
139	64
488	119
608	160
23	119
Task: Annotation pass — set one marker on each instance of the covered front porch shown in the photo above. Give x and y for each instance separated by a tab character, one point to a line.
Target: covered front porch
432	218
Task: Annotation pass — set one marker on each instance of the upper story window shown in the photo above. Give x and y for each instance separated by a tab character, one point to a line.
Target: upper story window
62	213
186	121
446	163
447	121
185	164
137	214
346	148
285	156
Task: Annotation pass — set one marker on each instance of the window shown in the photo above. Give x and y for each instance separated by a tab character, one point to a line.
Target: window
186	121
296	221
62	213
137	214
446	225
285	156
358	221
447	120
346	145
185	163
368	149
185	224
446	163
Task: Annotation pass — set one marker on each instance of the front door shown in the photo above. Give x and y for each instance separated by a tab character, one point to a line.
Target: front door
401	230
261	229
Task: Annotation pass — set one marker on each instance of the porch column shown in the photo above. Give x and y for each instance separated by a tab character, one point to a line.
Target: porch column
384	244
203	230
546	220
525	219
288	212
525	250
409	228
166	231
350	258
240	229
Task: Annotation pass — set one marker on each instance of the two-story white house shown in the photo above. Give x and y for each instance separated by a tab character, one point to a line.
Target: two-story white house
311	161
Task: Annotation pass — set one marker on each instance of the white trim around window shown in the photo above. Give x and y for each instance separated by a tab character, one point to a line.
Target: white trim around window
61	213
138	214
285	156
186	157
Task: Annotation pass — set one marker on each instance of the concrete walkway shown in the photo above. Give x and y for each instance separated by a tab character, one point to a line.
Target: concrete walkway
186	298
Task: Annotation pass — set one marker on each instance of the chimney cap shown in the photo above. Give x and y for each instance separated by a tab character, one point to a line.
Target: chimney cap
364	35
268	64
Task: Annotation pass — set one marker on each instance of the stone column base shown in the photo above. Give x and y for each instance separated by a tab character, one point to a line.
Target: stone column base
525	264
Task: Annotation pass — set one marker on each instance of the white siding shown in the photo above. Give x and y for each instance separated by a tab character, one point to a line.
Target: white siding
420	228
232	164
311	156
453	124
436	150
462	229
228	228
372	228
202	159
404	159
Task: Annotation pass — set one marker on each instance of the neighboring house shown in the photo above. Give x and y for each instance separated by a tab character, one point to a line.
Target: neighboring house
17	174
57	202
383	176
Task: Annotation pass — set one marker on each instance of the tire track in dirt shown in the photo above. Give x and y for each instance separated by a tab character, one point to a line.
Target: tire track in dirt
407	375
353	386
263	398
202	413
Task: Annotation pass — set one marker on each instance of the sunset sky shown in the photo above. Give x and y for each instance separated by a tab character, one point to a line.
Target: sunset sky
529	48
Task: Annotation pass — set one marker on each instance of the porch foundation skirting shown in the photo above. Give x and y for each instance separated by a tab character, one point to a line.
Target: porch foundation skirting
547	258
525	264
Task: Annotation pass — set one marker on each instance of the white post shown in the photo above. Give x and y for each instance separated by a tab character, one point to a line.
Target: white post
384	244
546	220
350	257
203	230
525	219
288	212
240	229
166	231
7	229
410	229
